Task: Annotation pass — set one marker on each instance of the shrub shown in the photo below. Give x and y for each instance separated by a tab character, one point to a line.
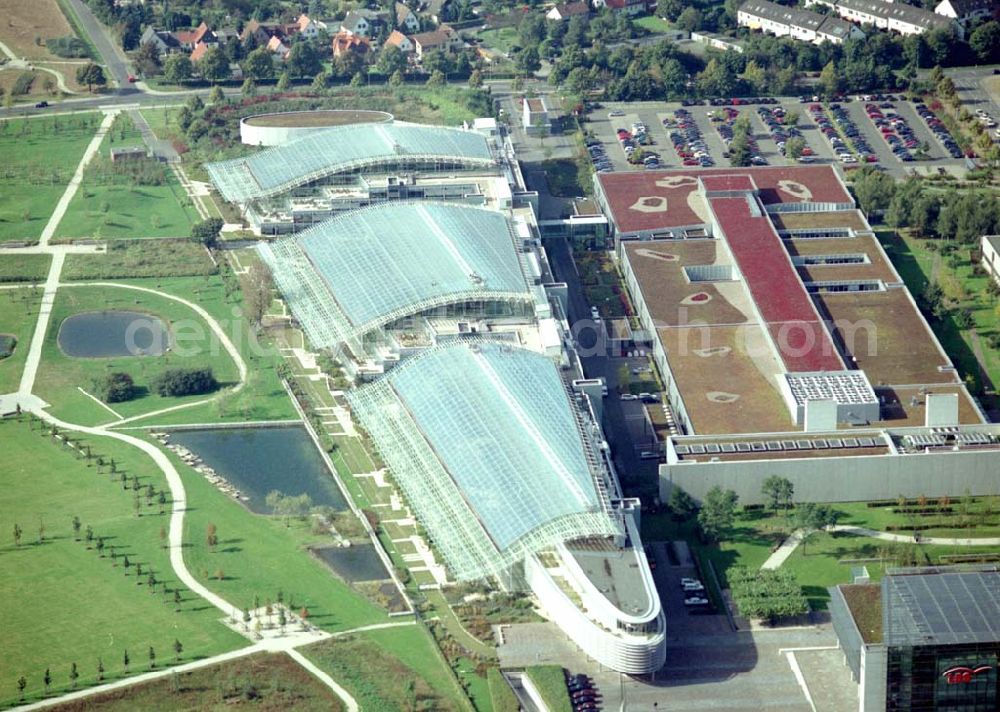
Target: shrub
23	84
69	47
185	382
7	344
115	387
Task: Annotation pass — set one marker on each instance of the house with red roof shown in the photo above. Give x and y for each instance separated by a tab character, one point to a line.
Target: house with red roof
347	42
400	41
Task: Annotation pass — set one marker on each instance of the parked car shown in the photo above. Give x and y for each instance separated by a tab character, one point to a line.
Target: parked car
42	105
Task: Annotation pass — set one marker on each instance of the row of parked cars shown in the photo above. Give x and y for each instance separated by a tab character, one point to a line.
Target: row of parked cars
733	101
687	140
631	140
894	129
582	693
844	122
602	164
695	596
938	128
774	119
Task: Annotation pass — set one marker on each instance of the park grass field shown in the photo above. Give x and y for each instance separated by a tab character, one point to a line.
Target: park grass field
502	39
24	22
18	313
139	258
269	682
263	397
60	376
66	604
260	556
40	157
24	268
390	669
122	211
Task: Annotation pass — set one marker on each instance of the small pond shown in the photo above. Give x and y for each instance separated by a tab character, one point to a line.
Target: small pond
260	460
358	562
108	334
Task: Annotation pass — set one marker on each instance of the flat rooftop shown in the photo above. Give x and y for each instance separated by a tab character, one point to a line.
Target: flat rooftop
663	200
615	573
834	219
864	601
943	606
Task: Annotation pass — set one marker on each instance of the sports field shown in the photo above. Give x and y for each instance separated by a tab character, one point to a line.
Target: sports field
40	157
66	602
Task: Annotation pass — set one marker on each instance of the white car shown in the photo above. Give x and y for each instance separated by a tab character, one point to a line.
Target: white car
616	112
687	581
629	396
695	587
696	601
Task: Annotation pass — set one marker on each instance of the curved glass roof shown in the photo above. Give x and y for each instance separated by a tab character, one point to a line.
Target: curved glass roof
375	265
342	149
486	444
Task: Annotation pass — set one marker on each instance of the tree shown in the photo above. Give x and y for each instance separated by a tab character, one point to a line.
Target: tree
74	675
17	534
178	69
216	96
214	66
177	599
528	61
680	503
390	60
810	517
257	288
717	511
436	79
114	387
211	536
76	528
830	79
249	87
303	60
320	82
152	658
689	20
125	660
259	65
47	680
396	79
176	382
284	82
794	146
778	491
476	79
22	682
147	58
669	9
178	649
100	670
985	41
207	231
91	74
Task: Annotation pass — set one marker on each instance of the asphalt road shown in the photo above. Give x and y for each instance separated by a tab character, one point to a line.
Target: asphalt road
113	57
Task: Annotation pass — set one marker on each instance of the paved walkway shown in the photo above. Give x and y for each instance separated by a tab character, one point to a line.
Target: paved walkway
778	557
16	62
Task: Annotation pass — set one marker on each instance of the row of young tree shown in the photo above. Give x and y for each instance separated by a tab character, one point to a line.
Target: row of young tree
99	669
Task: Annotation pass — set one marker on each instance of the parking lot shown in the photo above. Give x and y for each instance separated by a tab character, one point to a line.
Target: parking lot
605	121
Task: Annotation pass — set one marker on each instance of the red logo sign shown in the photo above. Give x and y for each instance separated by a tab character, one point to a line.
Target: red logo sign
963	675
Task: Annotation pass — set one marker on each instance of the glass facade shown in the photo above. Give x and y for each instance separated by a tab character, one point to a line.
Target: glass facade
952	678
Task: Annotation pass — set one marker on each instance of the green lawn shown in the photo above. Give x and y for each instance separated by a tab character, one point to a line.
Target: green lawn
503	39
66	604
550	681
24	268
502	697
260	556
915	262
18	313
40	157
263	398
390	669
121	210
60	376
653	24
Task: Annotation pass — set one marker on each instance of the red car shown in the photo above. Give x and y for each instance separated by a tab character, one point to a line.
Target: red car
132	79
691	162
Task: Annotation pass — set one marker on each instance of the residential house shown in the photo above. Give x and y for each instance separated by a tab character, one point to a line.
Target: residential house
278	48
438	10
794	22
348	42
629	7
564	11
965	11
259	32
894	16
199	51
443	38
164	41
406	19
360	22
188	39
991	256
400	41
309	28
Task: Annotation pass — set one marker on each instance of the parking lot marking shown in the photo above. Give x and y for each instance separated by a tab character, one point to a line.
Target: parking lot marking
782	651
800	679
